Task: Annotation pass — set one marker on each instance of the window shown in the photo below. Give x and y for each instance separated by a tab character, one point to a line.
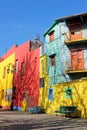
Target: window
8	95
16	66
2	94
42	67
51	36
4	73
50	94
42	82
52	60
68	92
22	69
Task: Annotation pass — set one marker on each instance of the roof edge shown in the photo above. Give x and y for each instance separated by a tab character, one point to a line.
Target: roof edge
52	25
71	16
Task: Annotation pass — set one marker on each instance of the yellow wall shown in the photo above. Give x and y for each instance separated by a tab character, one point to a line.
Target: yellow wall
79	96
42	90
6	83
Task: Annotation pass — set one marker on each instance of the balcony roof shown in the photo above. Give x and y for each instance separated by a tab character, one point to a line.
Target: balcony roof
83	40
72	16
56	21
75	71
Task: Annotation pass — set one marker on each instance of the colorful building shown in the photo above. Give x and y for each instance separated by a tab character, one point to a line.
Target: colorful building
6	81
19	78
55	78
66	59
43	81
26	76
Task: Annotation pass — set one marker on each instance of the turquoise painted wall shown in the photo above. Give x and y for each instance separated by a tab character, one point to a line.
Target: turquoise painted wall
57	73
62	53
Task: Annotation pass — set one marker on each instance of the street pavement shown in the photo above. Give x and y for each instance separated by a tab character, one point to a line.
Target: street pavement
12	120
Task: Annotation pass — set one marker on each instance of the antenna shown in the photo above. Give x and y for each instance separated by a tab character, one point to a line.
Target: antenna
38	36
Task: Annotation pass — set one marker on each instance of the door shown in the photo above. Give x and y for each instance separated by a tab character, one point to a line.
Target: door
77	59
74	60
75	31
80	60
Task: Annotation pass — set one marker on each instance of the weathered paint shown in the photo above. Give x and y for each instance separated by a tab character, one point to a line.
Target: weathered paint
79	96
63	62
57	73
59	80
6	83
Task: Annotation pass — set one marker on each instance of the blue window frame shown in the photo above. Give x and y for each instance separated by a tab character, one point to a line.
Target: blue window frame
50	94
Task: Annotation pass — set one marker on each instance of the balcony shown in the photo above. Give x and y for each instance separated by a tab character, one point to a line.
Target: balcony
75	71
68	41
70	70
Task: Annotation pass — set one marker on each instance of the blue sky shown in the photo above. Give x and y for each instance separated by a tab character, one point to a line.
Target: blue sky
22	20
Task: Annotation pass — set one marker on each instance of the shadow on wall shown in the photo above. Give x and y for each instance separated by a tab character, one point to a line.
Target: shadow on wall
78	97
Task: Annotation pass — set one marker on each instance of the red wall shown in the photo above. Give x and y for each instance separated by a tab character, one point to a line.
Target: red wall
30	80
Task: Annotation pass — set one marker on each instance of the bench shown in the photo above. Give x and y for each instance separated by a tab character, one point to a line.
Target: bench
67	110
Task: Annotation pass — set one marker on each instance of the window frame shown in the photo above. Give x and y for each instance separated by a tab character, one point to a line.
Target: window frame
22	68
52	60
16	66
42	64
4	72
51	36
67	95
41	82
50	94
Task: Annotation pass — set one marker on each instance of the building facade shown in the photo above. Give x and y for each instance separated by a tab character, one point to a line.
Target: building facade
19	77
26	76
6	81
66	46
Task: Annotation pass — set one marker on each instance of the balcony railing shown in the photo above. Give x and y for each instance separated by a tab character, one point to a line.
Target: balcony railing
68	41
75	71
69	69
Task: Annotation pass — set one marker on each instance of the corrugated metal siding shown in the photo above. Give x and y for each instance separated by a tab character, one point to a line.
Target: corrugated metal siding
57	72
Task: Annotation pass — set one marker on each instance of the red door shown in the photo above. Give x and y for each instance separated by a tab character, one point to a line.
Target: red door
77	60
75	31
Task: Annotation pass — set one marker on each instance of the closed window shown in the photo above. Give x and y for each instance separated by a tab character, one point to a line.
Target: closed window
52	60
22	69
50	94
68	92
4	73
42	82
16	66
42	62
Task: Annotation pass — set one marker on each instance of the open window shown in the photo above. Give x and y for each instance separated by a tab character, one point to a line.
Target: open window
51	36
